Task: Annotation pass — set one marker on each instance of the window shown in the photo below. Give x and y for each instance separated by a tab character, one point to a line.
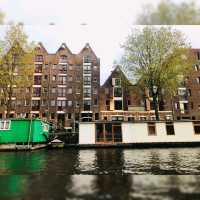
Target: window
131	119
87	92
118	105
61	104
61	92
36	92
95	91
196	126
53	90
37	80
35	105
96	116
87	105
95	101
39	58
78	78
151	129
44	102
117	92
45	77
69	116
116	82
53	102
69	103
69	91
45	90
38	68
54	78
87	80
78	90
95	79
5	124
63	59
129	102
27	102
170	128
62	68
87	59
62	79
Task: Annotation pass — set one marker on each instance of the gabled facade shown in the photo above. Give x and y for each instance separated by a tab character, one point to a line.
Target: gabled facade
120	100
65	87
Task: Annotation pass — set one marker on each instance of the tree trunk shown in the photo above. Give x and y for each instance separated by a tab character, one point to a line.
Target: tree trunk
155	104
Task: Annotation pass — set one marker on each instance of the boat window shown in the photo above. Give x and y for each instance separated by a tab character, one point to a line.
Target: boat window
5	124
196	126
99	132
170	128
151	128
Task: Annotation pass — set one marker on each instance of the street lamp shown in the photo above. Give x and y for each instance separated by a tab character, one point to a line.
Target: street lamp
155	89
155	102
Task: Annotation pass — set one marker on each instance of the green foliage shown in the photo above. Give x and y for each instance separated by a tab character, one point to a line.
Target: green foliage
157	56
168	13
16	63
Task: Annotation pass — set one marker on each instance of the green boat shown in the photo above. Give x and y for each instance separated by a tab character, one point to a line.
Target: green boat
22	134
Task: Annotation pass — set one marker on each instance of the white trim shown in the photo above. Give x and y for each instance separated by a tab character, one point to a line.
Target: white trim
61	98
36	98
62	86
37	86
86	112
38	74
60	112
35	112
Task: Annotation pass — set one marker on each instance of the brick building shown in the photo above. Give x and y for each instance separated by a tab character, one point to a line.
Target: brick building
124	101
186	104
65	87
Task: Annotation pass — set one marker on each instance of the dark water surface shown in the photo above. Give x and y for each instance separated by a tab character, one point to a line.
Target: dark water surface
150	174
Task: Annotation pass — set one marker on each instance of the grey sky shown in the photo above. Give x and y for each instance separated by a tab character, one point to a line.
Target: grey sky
108	24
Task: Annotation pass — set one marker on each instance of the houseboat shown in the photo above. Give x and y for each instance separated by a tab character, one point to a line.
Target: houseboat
22	134
140	134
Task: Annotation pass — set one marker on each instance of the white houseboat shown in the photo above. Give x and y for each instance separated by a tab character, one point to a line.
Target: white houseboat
136	134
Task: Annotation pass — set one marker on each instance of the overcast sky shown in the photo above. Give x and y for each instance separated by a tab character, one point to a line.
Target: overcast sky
108	24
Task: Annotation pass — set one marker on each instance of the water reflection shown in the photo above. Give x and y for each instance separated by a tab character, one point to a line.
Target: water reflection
108	173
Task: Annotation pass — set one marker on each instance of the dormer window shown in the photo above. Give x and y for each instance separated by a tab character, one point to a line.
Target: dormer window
87	59
63	59
39	58
116	82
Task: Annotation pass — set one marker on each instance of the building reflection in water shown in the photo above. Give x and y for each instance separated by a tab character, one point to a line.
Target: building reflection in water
15	169
59	174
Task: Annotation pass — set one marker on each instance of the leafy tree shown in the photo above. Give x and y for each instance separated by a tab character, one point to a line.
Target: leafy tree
158	58
16	64
168	13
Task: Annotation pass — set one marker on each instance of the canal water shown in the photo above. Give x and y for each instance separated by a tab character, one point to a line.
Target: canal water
143	174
